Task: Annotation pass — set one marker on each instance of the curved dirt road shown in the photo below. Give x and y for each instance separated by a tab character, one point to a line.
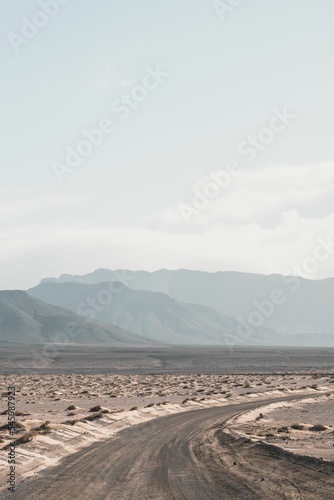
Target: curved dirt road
180	457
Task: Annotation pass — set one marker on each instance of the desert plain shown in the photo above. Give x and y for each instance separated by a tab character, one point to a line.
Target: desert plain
59	414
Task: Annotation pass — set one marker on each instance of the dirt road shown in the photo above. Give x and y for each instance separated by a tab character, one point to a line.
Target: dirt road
183	456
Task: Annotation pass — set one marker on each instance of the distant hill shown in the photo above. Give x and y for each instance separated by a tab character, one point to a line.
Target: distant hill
152	314
24	319
305	310
158	317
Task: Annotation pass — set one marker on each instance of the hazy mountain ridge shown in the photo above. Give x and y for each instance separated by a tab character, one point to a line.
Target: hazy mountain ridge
24	319
153	314
159	317
305	308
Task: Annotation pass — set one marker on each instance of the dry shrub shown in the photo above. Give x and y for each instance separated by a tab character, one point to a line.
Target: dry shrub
318	428
297	427
96	408
90	418
71	422
43	428
25	438
18	425
283	429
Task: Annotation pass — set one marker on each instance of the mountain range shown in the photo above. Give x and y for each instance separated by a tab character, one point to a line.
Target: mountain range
172	307
26	320
298	309
154	315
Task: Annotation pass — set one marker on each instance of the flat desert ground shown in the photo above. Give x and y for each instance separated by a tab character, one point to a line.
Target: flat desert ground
68	405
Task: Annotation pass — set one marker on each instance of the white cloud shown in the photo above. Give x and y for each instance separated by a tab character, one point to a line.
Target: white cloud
266	221
258	196
36	252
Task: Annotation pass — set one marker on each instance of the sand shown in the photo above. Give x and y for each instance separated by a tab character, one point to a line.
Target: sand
60	414
304	428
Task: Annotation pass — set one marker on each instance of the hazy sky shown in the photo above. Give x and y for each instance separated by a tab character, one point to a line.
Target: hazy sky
182	89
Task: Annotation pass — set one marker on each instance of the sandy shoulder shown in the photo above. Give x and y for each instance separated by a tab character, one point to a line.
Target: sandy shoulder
304	427
58	415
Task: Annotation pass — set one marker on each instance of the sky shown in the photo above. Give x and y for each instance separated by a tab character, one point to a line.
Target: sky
183	134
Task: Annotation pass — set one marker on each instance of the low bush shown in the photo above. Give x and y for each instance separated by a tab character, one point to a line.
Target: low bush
96	408
90	418
318	428
283	429
297	427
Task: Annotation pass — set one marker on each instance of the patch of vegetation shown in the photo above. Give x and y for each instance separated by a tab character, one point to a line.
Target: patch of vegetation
90	418
26	437
43	428
96	408
283	429
18	425
318	428
71	422
297	427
